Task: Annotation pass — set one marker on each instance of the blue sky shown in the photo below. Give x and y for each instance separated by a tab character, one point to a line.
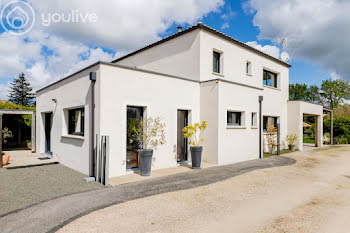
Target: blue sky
48	53
241	27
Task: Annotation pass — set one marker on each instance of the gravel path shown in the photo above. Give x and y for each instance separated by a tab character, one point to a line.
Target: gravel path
312	195
52	215
23	186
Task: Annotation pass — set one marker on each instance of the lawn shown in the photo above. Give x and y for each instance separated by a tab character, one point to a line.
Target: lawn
282	152
308	140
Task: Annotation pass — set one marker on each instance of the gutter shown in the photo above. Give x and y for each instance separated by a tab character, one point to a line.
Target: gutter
261	99
93	78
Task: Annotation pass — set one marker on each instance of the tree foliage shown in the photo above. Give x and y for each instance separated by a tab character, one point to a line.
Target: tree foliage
332	93
21	92
27	118
335	92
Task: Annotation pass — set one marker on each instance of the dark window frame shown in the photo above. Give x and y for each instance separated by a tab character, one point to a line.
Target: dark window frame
239	120
254	122
265	121
72	124
216	62
248	67
267	78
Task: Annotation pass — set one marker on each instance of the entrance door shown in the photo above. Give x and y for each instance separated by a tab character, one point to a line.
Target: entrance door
182	145
48	124
134	116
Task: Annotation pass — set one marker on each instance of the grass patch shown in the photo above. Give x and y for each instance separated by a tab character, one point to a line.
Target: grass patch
282	152
308	140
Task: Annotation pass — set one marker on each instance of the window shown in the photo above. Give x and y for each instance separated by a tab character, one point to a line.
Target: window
254	120
234	118
249	68
216	62
269	121
270	79
76	121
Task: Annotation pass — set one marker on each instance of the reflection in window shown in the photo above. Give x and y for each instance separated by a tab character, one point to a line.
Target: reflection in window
270	79
76	121
269	121
234	118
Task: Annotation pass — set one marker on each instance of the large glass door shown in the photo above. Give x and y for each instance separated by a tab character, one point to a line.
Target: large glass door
48	124
182	145
134	116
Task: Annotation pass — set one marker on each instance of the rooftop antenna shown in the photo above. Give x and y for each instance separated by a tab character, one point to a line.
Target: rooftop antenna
284	54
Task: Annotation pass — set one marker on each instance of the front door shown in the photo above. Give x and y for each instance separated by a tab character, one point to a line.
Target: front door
134	116
48	124
182	145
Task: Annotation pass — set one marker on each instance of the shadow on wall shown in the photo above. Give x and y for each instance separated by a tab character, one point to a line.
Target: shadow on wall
72	141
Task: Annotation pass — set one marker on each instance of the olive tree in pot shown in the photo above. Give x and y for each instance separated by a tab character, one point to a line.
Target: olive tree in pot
150	132
291	139
194	134
272	138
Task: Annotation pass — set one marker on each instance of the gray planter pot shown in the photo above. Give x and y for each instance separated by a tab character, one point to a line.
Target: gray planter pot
196	155
145	162
292	147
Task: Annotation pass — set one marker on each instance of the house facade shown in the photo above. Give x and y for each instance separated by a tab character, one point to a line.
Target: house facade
198	74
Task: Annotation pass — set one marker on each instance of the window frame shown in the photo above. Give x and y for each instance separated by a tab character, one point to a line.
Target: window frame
274	82
266	117
248	68
217	62
241	119
82	122
254	119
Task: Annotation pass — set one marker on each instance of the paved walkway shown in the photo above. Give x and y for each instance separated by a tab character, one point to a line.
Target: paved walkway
52	215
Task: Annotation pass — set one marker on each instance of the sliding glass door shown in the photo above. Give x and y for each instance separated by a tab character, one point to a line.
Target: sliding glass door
134	116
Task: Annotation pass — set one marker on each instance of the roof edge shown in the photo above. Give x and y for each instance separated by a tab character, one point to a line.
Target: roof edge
208	29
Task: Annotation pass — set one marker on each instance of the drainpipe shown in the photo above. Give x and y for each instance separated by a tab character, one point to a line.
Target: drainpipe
92	126
261	98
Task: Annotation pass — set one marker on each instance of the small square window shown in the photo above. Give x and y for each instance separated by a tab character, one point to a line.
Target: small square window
254	120
76	121
249	68
234	118
216	62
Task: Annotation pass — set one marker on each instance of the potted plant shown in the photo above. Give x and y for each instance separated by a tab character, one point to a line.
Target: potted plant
150	133
291	139
29	144
194	134
6	135
272	138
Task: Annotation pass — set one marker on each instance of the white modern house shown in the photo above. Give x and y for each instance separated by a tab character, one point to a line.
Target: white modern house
198	74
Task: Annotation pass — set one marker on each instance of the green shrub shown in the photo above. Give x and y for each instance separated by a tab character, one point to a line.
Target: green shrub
341	127
343	141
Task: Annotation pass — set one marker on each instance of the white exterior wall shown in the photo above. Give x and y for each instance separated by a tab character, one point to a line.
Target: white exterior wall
296	111
72	151
238	144
209	98
234	69
161	96
179	57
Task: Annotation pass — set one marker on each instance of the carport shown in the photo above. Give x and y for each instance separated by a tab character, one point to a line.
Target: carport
17	112
296	112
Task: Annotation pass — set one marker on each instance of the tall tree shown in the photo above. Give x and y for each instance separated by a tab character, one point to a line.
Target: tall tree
313	95
335	92
21	91
298	92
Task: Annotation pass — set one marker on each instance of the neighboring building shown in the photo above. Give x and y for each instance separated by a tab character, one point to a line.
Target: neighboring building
198	74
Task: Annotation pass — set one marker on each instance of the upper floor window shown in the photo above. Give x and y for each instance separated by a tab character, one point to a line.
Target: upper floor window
216	62
270	79
249	68
76	121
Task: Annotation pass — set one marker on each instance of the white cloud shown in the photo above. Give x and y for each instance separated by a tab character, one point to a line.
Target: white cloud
47	54
225	26
3	92
269	49
124	24
317	30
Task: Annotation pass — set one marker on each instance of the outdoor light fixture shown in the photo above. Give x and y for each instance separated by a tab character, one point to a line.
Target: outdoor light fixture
54	100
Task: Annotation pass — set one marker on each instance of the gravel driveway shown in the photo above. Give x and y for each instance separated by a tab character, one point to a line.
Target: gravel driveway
312	195
23	186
